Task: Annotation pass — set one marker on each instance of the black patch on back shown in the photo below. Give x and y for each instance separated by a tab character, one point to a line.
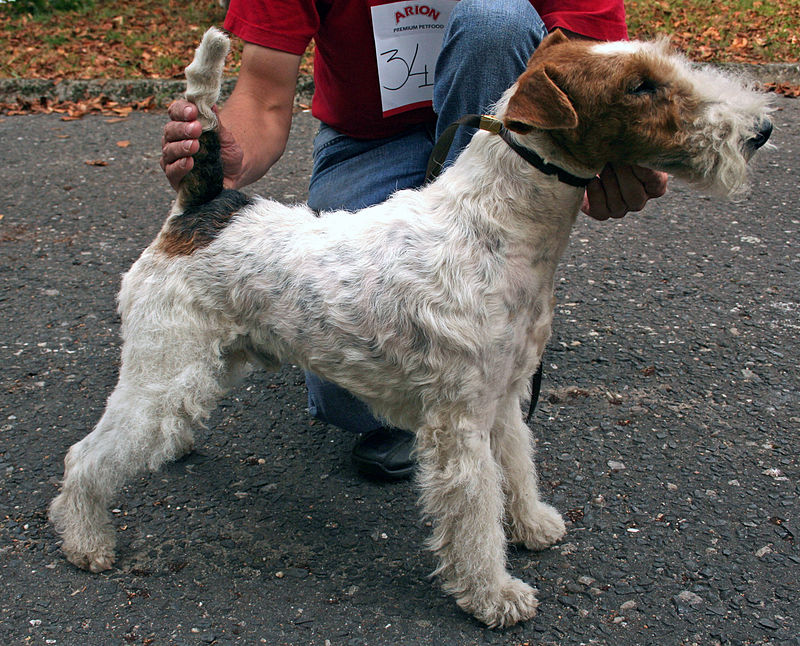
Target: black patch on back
200	224
207	206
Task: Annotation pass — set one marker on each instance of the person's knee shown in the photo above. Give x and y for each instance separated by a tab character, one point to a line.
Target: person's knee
486	27
486	46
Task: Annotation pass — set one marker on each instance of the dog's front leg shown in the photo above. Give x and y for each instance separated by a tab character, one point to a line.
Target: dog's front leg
462	493
532	522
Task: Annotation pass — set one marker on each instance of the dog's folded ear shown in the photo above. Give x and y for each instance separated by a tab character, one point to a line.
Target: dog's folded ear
539	103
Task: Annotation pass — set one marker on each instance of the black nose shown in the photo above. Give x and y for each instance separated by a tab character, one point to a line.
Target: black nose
764	131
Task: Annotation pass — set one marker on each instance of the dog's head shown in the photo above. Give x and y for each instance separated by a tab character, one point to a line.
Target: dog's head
638	103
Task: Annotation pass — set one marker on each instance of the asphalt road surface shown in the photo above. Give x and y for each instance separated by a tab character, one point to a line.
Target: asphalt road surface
668	432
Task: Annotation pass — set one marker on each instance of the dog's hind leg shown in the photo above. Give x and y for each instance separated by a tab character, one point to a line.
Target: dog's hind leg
173	369
462	492
147	421
532	522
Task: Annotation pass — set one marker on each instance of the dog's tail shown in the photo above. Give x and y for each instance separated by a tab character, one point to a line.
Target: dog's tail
204	75
203	209
203	81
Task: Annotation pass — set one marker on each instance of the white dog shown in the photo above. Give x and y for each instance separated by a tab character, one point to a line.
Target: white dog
433	307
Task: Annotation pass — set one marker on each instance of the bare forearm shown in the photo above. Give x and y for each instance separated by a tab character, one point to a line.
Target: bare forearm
261	131
259	112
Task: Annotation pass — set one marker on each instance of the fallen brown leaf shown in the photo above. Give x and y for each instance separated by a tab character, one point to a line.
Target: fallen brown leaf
784	89
148	103
95	162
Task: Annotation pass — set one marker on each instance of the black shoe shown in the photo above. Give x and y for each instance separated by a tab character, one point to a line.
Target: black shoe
385	453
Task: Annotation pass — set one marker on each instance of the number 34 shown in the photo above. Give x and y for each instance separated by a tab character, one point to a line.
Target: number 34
407	70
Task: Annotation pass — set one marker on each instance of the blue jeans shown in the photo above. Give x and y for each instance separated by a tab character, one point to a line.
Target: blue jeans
486	46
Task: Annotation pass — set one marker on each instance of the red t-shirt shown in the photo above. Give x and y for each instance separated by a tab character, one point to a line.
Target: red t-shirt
347	92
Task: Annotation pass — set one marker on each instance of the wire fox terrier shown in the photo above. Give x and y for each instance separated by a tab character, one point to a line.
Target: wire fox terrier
433	307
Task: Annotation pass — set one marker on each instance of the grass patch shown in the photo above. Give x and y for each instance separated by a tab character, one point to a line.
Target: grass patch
43	7
112	39
108	39
750	31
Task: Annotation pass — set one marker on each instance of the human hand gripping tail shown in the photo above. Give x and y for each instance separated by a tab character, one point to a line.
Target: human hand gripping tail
180	140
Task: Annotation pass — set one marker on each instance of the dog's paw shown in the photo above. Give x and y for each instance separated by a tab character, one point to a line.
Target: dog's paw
183	447
87	544
97	560
512	602
540	529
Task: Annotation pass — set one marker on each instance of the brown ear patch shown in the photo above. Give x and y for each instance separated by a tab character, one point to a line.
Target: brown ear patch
539	103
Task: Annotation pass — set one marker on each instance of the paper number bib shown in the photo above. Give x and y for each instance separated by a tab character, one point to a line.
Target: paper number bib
408	38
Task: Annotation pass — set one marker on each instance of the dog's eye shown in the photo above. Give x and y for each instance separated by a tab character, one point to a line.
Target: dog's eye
642	87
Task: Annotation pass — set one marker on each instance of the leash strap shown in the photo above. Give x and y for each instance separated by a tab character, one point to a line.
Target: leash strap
536	387
495	126
445	141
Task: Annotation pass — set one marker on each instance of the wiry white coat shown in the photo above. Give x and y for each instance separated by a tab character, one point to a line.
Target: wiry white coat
433	307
